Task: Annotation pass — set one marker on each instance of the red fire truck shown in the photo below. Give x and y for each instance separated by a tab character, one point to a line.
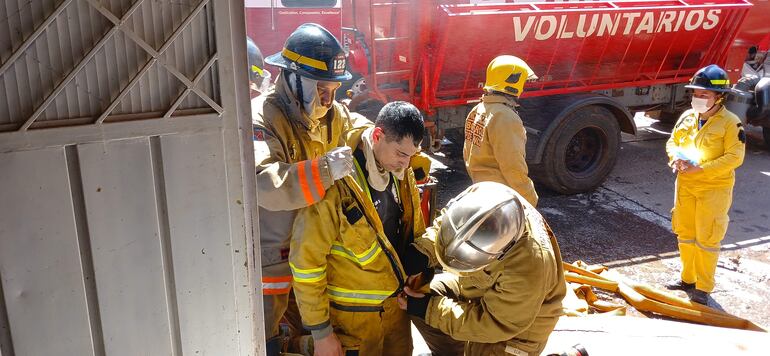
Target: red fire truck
597	63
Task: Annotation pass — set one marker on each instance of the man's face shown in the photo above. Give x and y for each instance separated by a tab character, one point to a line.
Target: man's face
393	156
326	92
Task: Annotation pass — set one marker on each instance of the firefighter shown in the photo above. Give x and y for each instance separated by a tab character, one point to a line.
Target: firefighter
706	146
297	128
495	137
259	76
503	291
347	251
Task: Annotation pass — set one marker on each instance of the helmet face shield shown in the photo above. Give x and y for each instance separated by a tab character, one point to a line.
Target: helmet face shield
479	226
259	76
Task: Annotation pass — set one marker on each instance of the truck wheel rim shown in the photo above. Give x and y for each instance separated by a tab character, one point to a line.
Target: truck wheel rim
584	151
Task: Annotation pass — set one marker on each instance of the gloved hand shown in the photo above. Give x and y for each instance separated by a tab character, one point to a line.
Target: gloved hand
340	162
415	303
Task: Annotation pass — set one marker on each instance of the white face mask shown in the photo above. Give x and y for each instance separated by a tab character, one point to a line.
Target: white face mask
700	105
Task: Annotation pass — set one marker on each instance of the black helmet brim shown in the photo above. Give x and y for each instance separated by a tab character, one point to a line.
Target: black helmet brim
279	60
692	86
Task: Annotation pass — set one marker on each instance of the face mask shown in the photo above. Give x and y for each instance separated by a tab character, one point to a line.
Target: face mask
700	105
311	101
314	109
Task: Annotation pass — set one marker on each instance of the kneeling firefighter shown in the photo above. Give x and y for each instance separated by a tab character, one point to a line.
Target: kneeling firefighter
503	291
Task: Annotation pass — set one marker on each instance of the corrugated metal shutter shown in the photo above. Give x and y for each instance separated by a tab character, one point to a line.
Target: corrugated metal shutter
77	62
126	180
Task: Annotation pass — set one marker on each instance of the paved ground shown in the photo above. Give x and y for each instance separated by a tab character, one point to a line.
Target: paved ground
625	224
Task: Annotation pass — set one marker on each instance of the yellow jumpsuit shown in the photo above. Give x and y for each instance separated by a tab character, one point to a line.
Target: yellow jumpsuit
290	175
346	272
508	308
494	148
702	200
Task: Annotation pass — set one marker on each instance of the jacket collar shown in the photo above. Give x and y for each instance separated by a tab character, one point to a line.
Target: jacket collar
353	136
497	98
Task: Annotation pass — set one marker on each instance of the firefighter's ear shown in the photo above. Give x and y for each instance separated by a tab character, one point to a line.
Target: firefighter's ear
377	134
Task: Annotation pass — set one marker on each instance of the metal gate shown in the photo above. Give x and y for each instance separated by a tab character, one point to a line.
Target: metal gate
126	179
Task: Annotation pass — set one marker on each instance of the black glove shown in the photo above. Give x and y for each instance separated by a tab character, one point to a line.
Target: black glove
414	261
417	306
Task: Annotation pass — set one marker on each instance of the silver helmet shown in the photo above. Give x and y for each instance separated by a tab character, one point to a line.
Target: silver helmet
479	226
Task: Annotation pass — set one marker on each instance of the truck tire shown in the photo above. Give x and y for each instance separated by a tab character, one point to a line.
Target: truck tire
581	152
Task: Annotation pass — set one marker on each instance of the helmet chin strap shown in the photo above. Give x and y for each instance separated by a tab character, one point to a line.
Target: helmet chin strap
298	85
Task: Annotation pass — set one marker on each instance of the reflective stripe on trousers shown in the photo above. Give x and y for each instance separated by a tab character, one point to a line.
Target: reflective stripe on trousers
276	285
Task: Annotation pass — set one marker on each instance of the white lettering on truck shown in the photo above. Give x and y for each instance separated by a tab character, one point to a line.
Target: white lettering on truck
549	26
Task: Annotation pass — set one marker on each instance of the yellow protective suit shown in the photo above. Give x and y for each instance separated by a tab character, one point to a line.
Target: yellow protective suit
494	148
509	307
346	272
290	175
699	217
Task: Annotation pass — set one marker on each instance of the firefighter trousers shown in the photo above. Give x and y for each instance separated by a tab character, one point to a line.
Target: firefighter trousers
439	343
279	304
382	330
699	219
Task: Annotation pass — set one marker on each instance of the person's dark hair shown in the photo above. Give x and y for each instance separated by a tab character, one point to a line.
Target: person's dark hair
400	119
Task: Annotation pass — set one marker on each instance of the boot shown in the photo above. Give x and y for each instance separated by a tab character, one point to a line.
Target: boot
699	296
679	284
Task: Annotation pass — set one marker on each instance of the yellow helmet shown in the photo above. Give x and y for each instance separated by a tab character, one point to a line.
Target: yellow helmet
507	74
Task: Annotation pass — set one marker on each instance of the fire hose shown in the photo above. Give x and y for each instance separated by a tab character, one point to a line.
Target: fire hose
645	298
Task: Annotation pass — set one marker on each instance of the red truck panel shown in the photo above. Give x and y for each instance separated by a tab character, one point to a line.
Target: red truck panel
577	47
270	22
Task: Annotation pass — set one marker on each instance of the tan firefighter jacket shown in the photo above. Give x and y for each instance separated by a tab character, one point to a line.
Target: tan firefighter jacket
288	151
518	297
718	147
340	256
494	148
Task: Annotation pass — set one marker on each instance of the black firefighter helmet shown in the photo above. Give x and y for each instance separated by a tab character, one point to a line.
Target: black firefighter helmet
312	51
712	78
